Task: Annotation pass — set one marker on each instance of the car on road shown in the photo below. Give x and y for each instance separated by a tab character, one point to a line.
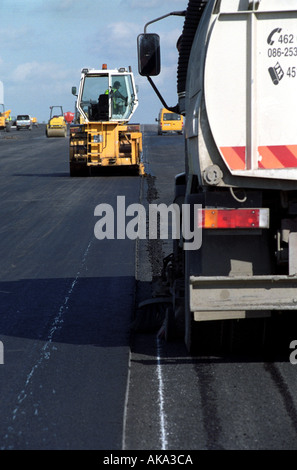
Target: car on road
169	122
24	121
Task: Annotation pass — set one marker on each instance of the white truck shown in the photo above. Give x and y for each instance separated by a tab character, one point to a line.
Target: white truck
24	121
237	81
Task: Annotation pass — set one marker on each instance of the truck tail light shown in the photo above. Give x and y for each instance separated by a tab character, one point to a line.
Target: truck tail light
233	218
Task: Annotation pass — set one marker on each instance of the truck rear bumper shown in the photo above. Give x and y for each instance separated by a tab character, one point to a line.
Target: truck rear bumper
223	297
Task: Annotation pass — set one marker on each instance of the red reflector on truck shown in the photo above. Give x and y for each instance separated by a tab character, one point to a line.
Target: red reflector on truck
233	218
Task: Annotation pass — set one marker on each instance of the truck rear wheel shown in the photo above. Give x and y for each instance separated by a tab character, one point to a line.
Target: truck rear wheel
205	337
170	327
248	334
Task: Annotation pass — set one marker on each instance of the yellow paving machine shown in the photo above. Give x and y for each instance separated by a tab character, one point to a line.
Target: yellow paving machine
56	126
101	135
5	120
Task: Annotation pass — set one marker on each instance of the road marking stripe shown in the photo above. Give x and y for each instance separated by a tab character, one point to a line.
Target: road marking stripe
45	351
163	432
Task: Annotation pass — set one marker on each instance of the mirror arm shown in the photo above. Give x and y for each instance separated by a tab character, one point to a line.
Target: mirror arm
174	109
173	13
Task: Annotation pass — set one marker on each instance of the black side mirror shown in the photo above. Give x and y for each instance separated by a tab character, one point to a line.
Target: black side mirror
148	47
73	90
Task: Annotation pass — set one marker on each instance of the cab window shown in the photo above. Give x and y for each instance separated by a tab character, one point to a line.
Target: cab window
94	86
171	117
122	97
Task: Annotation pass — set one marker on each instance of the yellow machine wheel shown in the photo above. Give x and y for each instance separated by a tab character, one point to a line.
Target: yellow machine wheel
56	132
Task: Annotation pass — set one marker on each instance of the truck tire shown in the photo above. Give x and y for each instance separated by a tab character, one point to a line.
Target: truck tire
205	337
170	326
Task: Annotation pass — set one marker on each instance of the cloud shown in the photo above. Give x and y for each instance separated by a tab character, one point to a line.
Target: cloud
67	4
169	38
122	31
145	4
12	38
121	44
122	40
71	6
38	71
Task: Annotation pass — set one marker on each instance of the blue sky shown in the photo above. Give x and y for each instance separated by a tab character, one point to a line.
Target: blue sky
46	43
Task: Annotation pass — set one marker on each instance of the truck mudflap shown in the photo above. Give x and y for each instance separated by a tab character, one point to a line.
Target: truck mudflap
224	297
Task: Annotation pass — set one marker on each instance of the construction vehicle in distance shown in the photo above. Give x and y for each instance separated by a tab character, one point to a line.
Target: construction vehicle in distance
56	126
169	122
5	121
101	136
237	79
5	118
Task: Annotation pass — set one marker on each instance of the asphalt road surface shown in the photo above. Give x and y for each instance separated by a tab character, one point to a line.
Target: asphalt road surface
66	301
75	376
243	399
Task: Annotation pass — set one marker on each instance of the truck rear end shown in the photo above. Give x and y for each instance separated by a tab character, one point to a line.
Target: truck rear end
237	77
241	150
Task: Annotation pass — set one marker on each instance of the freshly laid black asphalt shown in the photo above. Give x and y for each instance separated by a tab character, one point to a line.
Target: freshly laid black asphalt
242	399
66	300
73	375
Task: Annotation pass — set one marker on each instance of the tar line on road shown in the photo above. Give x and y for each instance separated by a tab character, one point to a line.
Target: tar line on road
45	350
147	194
